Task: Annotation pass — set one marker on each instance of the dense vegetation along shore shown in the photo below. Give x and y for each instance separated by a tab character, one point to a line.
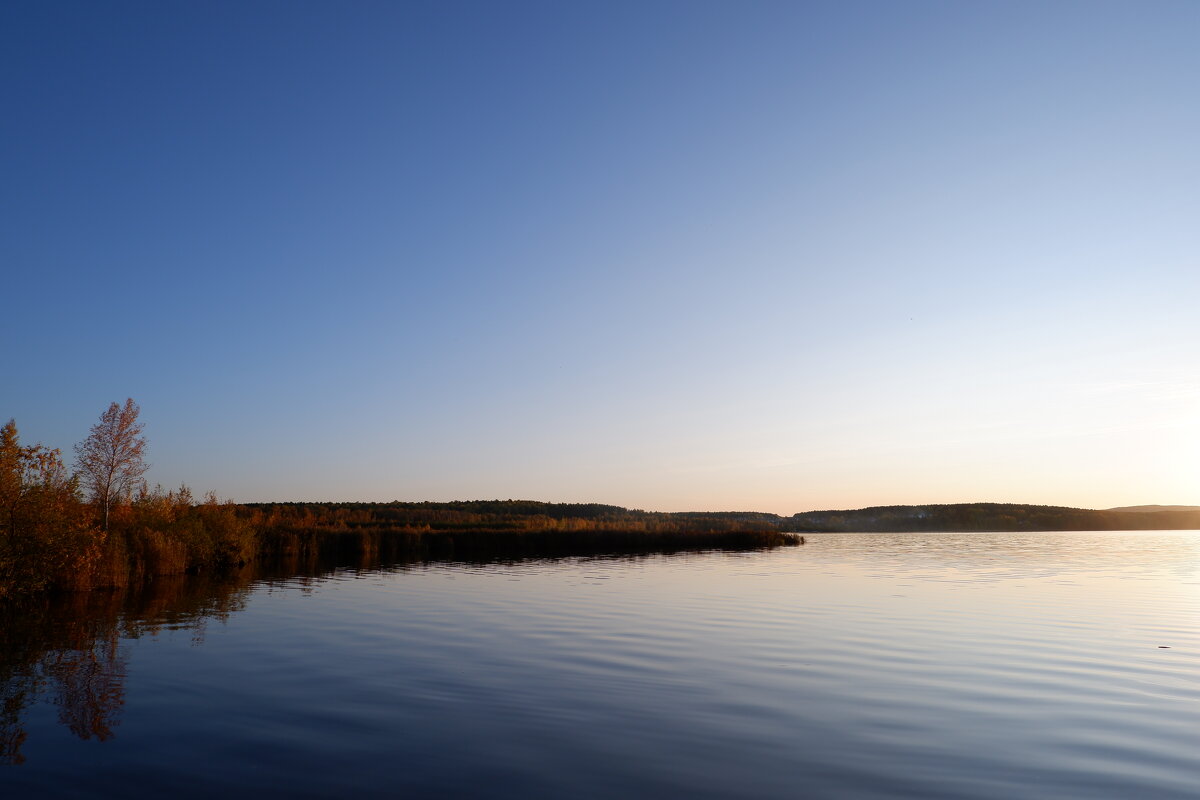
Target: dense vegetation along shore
162	533
101	525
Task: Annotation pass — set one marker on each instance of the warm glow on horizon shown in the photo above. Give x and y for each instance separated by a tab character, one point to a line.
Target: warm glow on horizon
947	253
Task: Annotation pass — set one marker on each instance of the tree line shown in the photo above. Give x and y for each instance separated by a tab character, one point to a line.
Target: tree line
98	523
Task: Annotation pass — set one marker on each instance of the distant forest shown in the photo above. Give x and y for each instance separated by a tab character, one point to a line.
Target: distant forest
499	516
527	516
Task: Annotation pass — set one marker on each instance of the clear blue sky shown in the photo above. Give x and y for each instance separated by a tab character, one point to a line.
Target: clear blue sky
772	256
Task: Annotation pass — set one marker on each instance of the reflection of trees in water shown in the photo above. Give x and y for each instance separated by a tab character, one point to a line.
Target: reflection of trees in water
82	669
68	649
90	684
12	733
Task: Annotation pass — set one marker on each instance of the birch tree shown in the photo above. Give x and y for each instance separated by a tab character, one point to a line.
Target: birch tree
112	458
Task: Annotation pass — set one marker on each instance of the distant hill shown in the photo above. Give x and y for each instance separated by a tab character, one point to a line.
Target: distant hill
1153	509
996	517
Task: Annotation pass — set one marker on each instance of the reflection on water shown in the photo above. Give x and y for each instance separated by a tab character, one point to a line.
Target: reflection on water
69	649
864	665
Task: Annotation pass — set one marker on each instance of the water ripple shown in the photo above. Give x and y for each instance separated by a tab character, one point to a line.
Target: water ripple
873	665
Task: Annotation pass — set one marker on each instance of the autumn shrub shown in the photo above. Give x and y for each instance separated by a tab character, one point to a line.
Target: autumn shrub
169	533
46	536
233	539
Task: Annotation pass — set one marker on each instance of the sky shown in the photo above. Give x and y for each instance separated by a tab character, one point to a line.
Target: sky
665	255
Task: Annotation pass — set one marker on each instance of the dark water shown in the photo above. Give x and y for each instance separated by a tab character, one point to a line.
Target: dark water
916	665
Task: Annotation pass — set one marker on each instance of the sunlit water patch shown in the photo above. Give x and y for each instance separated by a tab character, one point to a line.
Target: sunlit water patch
858	665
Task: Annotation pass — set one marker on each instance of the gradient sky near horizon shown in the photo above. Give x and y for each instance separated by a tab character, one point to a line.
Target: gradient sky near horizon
684	255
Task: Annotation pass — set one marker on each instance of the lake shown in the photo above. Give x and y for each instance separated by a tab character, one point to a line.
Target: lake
857	665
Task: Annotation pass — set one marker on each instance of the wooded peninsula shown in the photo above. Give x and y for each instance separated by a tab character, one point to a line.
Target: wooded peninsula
101	525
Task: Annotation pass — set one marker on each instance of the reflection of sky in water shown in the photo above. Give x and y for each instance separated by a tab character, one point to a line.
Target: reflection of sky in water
866	665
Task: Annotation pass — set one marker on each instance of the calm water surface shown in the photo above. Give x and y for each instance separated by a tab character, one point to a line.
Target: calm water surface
859	665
